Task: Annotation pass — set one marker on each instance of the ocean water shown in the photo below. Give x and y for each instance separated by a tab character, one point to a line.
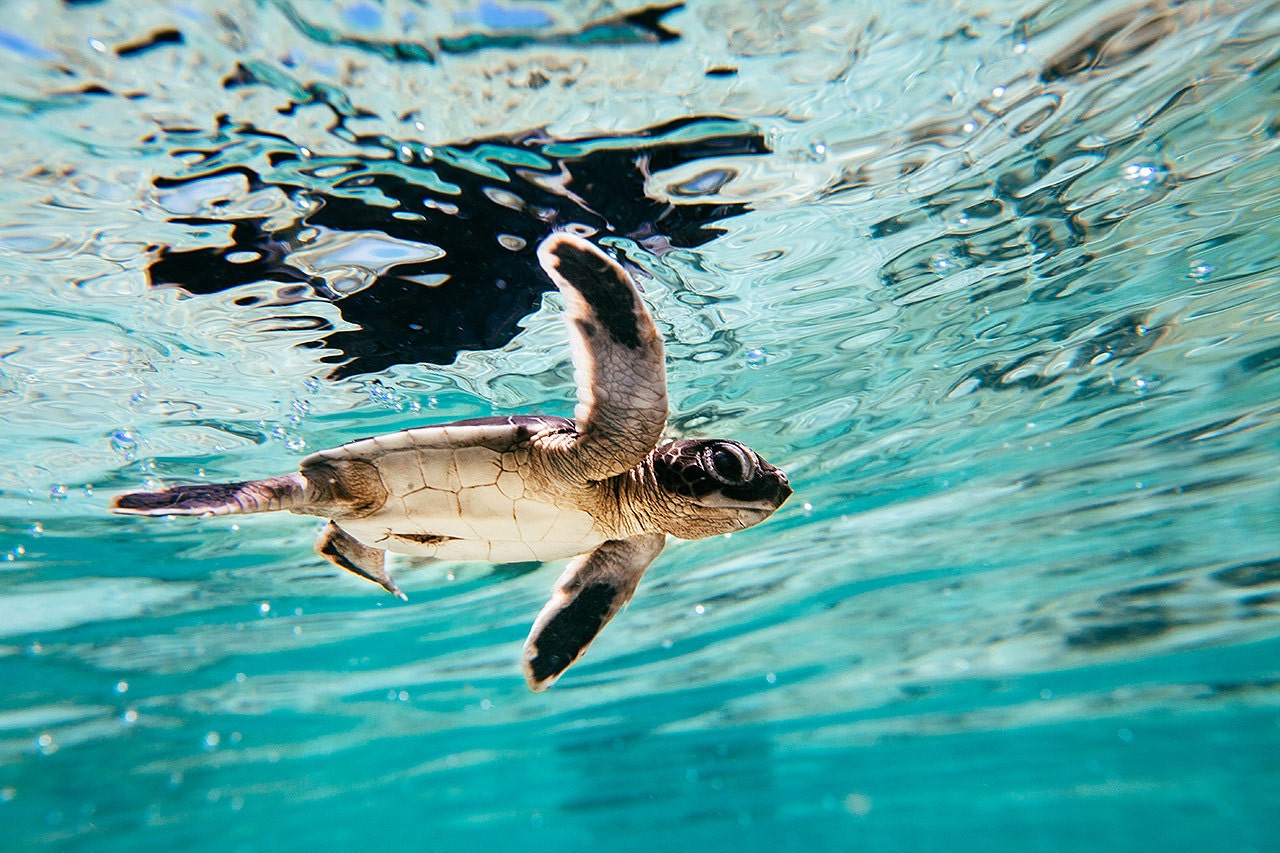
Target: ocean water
998	284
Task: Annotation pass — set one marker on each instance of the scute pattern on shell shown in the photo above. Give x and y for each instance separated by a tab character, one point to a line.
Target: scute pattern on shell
467	491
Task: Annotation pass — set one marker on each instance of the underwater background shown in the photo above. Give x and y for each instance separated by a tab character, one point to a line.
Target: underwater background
996	283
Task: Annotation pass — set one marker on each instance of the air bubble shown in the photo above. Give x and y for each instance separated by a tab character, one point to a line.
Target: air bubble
1200	272
58	493
1147	174
945	263
817	150
385	396
857	804
756	357
125	444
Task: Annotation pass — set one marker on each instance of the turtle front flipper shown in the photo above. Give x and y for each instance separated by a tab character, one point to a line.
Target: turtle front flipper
346	552
591	591
618	361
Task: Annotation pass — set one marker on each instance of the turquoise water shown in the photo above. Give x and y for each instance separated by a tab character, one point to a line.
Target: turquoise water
998	286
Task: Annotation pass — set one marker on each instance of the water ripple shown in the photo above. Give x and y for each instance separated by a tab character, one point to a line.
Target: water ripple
998	290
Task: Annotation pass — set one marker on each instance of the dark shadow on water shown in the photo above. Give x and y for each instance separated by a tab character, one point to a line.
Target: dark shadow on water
486	203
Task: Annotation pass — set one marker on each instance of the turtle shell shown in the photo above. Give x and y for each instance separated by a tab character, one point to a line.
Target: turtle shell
466	491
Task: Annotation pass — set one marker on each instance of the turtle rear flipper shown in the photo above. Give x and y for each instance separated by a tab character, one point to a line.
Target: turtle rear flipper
346	552
203	499
343	488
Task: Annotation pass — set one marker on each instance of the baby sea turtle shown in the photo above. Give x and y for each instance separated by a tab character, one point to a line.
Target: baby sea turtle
514	489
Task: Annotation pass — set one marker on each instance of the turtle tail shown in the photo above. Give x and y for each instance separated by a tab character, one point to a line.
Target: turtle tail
270	495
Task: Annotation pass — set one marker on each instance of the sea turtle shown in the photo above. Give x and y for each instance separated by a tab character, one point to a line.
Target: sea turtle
522	488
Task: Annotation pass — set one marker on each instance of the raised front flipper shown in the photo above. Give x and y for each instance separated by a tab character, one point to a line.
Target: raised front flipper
618	360
592	589
344	551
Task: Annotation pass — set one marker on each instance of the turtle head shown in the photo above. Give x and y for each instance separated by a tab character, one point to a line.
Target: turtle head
715	486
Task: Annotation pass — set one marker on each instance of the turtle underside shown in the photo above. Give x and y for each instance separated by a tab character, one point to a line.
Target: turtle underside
464	491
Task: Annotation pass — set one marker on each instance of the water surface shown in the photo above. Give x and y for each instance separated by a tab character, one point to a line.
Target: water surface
997	285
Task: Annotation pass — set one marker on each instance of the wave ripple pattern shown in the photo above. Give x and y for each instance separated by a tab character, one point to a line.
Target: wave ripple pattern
997	285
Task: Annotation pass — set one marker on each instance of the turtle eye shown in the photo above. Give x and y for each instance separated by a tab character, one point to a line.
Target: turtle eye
729	464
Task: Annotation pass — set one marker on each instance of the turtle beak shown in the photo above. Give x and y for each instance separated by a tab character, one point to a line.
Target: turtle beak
771	492
780	489
784	488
